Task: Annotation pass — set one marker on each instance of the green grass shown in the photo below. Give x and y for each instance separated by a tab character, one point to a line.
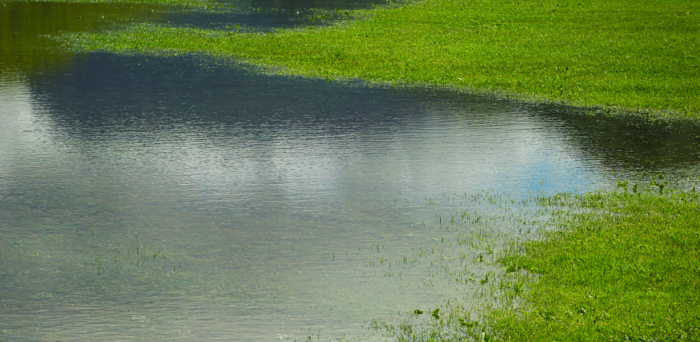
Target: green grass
626	266
615	54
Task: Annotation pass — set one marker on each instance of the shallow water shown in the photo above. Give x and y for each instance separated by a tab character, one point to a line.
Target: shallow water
183	198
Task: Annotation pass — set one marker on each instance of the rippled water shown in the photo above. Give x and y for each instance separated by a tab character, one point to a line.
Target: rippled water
185	198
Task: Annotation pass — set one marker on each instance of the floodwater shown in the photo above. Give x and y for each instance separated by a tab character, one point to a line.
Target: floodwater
185	198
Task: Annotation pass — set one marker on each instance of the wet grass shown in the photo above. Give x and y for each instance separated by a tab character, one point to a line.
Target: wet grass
604	265
615	55
464	242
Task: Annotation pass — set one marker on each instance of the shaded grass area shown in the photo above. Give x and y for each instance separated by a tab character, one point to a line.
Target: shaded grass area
619	54
625	266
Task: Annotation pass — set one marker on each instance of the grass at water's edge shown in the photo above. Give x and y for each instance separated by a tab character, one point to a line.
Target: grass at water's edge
623	266
617	54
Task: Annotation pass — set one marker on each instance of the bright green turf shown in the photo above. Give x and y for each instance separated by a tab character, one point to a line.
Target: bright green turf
611	53
627	270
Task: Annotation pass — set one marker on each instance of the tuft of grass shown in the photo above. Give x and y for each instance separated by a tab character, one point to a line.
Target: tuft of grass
626	266
613	54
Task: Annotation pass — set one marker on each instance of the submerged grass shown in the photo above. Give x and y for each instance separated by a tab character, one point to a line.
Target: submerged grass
614	265
624	266
619	54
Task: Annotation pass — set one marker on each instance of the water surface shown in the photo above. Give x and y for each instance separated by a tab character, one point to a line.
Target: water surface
186	198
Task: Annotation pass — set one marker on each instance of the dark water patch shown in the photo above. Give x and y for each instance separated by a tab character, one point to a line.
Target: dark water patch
268	15
309	4
631	144
251	20
265	16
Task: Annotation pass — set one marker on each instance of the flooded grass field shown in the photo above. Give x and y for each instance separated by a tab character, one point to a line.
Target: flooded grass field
190	198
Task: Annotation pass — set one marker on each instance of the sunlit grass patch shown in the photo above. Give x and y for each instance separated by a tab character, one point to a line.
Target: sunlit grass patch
625	266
